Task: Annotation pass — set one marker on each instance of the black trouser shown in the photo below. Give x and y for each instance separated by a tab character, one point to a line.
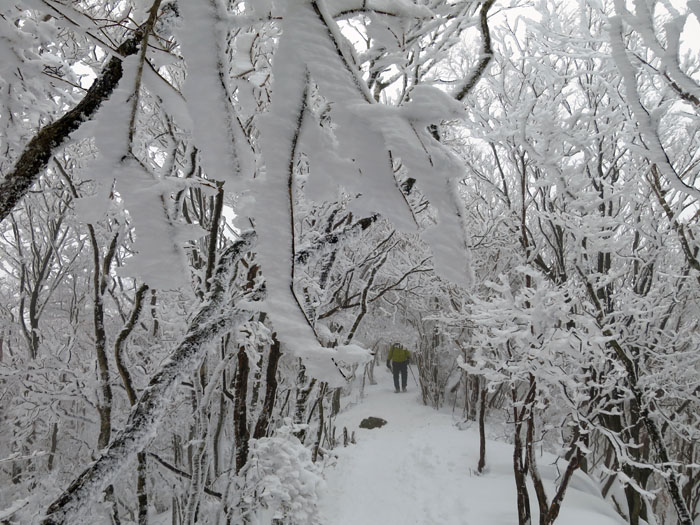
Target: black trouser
400	368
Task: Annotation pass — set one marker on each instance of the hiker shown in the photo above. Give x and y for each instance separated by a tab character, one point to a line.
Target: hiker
397	361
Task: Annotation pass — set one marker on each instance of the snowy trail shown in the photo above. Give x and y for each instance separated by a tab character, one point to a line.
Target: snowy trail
420	469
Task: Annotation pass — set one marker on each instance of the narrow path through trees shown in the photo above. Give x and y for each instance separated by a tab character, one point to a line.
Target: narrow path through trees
420	469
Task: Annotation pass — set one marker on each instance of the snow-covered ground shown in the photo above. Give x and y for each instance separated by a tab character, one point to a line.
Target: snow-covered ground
421	469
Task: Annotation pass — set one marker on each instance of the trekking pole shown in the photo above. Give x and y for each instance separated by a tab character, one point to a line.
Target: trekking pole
414	376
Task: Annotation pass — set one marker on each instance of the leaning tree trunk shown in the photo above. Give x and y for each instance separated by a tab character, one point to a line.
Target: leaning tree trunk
215	317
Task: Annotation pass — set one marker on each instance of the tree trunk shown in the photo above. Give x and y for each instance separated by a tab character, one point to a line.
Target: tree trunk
335	402
530	459
303	393
142	488
319	434
555	507
520	466
144	419
241	434
141	468
262	426
482	431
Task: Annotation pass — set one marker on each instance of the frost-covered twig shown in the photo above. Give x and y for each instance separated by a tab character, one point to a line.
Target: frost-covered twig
642	21
291	194
337	39
182	473
486	52
657	152
335	237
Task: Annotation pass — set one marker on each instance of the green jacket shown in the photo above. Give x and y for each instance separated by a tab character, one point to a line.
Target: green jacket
398	354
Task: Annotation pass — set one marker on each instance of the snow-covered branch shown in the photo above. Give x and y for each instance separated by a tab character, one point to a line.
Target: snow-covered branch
37	153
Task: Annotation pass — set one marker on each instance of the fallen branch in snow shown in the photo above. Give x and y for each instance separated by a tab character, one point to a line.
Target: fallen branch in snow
215	317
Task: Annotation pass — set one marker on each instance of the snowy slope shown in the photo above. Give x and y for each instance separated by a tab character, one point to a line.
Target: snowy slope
420	469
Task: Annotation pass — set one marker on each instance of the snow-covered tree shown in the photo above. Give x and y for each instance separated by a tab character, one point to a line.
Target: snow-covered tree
211	210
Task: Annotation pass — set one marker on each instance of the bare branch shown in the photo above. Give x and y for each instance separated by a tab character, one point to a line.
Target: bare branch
486	52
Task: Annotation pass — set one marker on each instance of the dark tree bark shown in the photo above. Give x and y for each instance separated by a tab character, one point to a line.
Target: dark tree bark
38	151
142	488
303	393
486	56
142	465
214	234
482	431
550	516
121	339
261	427
319	433
240	409
54	444
519	464
549	512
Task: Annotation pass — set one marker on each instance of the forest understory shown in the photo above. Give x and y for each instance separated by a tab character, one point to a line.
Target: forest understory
216	217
